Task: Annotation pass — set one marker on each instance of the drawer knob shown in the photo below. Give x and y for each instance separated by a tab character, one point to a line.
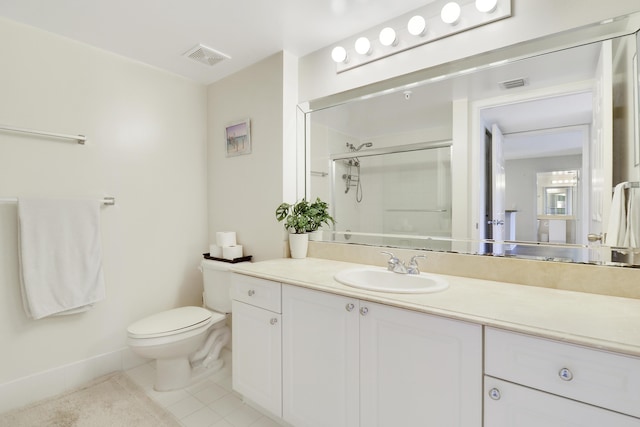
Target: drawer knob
565	374
251	292
494	393
350	307
364	311
273	321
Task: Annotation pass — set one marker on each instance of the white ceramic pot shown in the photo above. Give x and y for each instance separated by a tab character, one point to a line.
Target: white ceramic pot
298	244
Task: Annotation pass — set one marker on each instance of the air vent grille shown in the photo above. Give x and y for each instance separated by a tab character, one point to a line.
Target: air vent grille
514	83
205	55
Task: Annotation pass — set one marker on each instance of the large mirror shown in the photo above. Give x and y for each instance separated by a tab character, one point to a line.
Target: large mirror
513	153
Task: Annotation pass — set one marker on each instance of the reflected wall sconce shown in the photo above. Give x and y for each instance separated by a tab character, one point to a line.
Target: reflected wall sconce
435	21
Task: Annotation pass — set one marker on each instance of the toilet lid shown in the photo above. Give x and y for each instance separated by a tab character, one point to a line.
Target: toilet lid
170	322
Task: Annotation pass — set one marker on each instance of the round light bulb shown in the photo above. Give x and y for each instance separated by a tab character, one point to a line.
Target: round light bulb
417	25
388	37
363	46
450	13
339	54
486	6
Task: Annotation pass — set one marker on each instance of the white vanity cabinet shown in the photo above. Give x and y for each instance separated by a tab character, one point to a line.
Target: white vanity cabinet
257	341
348	362
536	382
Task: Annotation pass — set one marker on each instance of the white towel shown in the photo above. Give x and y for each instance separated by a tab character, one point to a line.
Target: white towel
632	235
617	227
60	256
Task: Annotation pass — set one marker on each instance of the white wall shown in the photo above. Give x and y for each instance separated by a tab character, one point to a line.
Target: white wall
245	190
146	147
530	19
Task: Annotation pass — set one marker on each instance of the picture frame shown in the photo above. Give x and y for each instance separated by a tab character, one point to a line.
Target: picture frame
237	137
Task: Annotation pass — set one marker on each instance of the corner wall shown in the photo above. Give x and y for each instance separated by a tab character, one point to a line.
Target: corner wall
245	190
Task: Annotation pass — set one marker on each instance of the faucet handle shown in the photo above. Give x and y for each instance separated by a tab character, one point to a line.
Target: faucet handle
412	268
392	262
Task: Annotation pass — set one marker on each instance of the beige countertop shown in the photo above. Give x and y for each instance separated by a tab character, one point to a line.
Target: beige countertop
599	321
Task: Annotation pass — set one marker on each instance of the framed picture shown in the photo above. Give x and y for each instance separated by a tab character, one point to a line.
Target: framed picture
238	138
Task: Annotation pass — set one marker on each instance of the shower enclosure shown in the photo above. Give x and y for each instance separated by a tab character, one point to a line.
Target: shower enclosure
392	191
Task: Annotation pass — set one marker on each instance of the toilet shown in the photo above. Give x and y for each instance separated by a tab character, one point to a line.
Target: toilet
186	342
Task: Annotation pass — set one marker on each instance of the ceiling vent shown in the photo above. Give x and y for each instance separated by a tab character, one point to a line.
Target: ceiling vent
205	55
512	84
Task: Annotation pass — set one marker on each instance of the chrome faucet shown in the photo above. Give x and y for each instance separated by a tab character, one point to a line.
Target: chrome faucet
397	266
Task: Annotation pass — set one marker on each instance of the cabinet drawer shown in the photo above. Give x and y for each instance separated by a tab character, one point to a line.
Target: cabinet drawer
257	292
600	378
511	405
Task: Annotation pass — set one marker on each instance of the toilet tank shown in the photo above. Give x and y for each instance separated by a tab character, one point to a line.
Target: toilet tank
216	277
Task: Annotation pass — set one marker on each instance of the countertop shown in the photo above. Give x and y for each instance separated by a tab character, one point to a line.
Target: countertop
604	322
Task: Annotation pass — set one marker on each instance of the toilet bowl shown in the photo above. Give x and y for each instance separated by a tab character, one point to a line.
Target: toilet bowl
186	342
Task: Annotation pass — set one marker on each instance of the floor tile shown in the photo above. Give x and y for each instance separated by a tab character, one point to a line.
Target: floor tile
203	417
243	416
226	405
210	394
185	407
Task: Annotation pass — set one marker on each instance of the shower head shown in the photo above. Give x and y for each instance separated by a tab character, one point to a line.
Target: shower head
353	147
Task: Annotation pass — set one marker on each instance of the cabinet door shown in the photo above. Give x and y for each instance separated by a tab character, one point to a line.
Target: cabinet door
320	358
418	369
511	405
257	355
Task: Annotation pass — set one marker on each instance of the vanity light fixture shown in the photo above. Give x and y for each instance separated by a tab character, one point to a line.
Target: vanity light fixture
486	6
388	37
339	55
428	24
417	26
363	46
450	13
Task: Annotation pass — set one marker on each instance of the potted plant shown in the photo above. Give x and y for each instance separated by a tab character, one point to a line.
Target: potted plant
300	219
318	216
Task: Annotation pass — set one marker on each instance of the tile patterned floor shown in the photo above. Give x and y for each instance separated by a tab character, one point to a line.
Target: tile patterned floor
208	403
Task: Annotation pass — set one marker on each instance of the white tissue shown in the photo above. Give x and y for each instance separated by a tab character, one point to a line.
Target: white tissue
215	251
232	252
226	238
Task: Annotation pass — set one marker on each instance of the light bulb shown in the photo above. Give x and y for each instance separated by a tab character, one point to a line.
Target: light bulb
486	6
339	54
450	13
388	37
417	25
363	46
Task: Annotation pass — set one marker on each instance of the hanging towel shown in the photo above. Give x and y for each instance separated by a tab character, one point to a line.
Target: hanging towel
616	230
632	235
60	256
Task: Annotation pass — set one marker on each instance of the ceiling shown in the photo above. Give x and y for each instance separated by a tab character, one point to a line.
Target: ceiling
159	32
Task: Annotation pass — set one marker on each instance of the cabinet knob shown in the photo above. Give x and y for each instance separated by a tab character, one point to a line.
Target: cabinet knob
494	393
364	311
251	292
273	321
565	374
350	306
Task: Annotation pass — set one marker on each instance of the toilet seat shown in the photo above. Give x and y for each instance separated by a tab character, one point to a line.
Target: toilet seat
172	322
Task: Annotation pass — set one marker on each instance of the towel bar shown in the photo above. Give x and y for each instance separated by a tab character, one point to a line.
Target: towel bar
107	201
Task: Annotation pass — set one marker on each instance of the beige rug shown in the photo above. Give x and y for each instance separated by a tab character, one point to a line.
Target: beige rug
112	400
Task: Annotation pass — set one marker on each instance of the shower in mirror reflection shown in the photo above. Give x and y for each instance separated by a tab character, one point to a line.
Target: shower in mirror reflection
352	176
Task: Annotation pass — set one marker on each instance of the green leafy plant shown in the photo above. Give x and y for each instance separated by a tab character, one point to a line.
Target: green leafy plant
304	217
319	215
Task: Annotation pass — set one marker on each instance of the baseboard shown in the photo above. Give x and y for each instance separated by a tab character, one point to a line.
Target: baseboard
41	385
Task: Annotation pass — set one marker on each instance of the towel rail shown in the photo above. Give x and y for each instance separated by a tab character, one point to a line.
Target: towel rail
107	201
80	139
635	184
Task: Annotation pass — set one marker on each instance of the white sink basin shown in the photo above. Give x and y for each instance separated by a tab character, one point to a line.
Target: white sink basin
383	280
